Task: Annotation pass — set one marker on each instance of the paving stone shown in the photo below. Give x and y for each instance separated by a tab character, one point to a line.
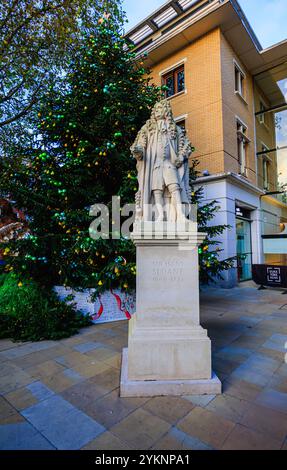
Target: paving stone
114	361
57	351
32	360
6	409
22	436
7	367
241	389
258	369
199	400
170	409
110	332
243	438
178	440
277	342
250	320
108	379
83	394
140	429
228	407
39	390
278	383
45	369
273	399
7	344
250	341
110	409
21	398
26	349
277	355
74	375
14	418
282	371
91	368
60	382
101	354
223	366
72	341
266	421
106	441
72	359
62	424
86	347
207	426
16	379
234	353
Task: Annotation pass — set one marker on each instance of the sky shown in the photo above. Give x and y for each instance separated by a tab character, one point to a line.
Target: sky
268	18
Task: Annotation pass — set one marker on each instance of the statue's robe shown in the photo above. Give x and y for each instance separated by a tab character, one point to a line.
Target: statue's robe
150	140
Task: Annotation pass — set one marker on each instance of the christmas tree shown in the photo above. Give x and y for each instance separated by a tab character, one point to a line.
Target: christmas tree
80	156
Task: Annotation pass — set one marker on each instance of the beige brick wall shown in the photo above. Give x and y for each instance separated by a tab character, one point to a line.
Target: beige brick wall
265	134
202	100
234	106
212	106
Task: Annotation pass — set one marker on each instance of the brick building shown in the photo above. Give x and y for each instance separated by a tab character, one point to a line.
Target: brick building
229	94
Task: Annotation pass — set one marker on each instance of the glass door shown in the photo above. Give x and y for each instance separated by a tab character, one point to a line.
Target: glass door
244	249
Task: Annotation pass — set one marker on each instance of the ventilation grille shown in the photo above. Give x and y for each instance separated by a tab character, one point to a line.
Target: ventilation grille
141	34
185	4
165	17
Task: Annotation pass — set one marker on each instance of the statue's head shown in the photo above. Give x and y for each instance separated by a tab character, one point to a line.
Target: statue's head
162	110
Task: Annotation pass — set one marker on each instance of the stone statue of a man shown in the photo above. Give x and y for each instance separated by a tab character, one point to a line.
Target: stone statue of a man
162	150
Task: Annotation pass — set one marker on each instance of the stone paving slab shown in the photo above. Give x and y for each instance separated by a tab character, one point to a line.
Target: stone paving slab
207	426
243	438
271	398
266	421
140	429
200	400
65	394
178	440
22	436
26	349
106	441
277	342
170	409
62	424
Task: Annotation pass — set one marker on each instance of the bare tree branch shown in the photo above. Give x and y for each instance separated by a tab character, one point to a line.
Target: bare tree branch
24	110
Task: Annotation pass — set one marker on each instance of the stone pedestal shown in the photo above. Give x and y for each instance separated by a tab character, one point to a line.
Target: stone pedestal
169	353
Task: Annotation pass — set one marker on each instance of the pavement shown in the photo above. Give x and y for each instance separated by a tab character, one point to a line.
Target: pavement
65	394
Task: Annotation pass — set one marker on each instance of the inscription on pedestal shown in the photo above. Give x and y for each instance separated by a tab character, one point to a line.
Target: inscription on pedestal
170	270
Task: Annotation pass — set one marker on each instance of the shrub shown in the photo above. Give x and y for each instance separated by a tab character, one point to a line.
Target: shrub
30	312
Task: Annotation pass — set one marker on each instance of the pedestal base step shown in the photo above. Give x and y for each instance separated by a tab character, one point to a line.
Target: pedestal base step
153	388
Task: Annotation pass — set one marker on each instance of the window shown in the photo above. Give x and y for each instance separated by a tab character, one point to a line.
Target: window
181	123
242	142
239	80
265	168
262	116
174	80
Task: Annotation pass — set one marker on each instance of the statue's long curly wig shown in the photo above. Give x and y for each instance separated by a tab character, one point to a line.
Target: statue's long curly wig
171	125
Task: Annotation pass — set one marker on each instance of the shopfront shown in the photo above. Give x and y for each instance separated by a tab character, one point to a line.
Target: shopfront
244	244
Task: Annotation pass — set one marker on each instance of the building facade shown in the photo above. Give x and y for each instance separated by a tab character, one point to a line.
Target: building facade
229	94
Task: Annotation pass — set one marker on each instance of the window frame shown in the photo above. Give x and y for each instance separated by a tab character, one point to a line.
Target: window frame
239	85
266	161
242	143
174	74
